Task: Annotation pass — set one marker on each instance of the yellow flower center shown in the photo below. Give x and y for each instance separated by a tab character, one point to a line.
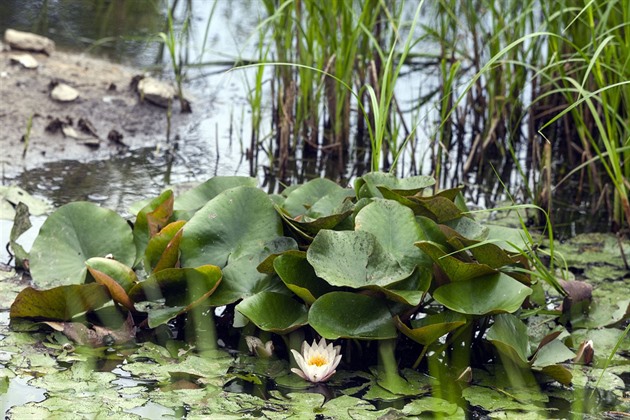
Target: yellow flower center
317	360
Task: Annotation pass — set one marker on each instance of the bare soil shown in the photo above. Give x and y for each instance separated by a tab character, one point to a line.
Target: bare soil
107	102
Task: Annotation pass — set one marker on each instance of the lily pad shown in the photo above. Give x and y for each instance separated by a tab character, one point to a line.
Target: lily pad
197	197
495	293
242	279
238	221
299	276
60	303
274	312
301	199
552	353
377	253
73	234
353	259
509	336
406	186
11	196
351	315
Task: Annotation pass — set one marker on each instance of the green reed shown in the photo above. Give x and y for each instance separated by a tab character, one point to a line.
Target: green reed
329	53
597	92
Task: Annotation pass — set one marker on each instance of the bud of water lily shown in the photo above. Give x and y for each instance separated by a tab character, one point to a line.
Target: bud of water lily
585	353
318	361
256	346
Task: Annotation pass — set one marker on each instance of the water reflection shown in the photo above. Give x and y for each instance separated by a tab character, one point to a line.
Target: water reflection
118	182
18	393
116	29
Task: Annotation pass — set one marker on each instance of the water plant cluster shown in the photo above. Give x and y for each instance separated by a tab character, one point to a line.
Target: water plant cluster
402	280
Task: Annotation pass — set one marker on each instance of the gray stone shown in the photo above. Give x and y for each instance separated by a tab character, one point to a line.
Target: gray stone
64	93
18	40
155	91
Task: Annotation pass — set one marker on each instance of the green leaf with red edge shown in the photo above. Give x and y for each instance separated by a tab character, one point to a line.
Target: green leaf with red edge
150	220
116	276
60	303
163	249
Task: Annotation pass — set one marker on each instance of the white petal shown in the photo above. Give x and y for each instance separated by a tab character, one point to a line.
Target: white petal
299	373
299	360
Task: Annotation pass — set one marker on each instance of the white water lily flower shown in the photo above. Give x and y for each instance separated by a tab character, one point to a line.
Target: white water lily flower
318	361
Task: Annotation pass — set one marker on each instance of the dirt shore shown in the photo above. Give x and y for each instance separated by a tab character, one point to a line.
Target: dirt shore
107	105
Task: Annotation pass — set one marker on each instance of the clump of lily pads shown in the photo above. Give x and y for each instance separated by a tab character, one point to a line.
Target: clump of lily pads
401	278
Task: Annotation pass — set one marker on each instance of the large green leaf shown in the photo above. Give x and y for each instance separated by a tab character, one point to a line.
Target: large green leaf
242	279
198	196
351	315
552	353
302	198
377	253
60	303
509	336
236	222
396	229
298	275
495	293
275	312
353	259
73	234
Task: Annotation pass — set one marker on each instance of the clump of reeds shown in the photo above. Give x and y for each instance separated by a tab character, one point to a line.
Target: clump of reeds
534	94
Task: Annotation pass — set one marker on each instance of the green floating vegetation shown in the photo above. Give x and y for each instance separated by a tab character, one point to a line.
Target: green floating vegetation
403	279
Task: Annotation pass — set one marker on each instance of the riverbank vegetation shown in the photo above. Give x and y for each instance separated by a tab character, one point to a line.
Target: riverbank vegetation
362	270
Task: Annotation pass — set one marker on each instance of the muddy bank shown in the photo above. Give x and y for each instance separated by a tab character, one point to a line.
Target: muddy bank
107	106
